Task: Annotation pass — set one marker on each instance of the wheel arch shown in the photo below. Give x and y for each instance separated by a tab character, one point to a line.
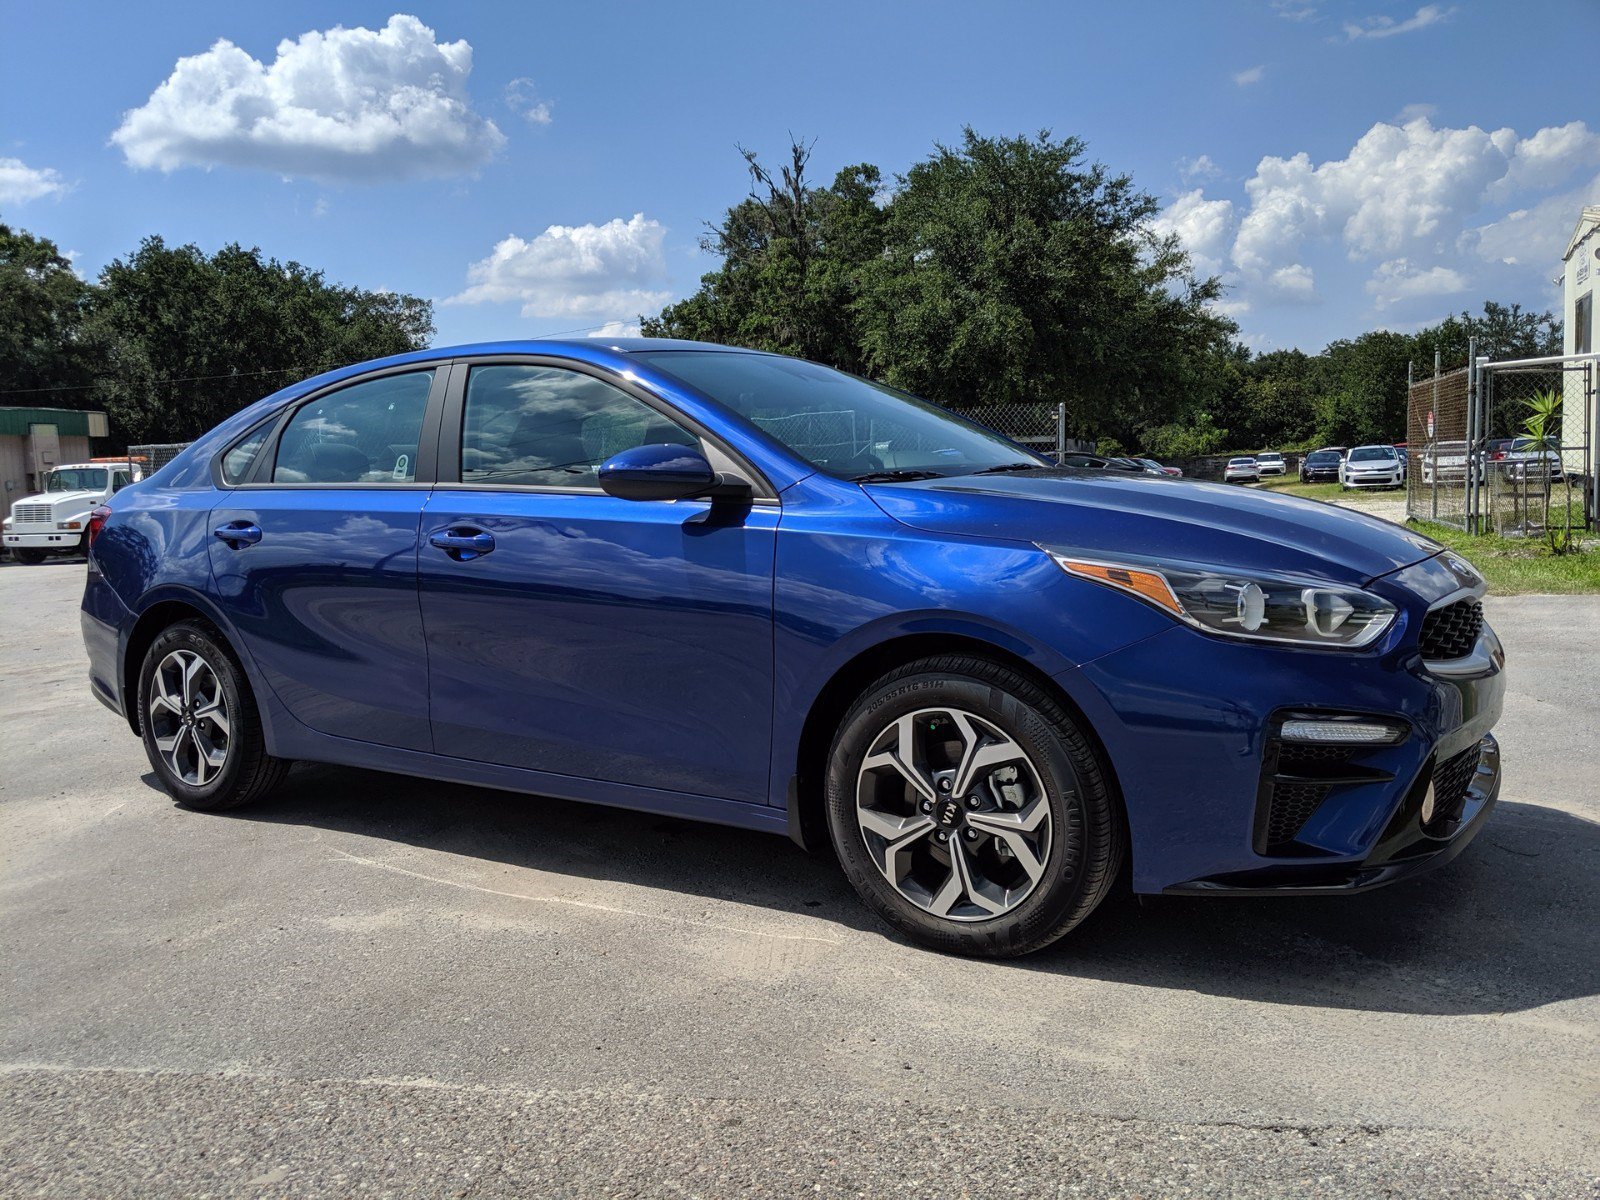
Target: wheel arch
807	818
162	611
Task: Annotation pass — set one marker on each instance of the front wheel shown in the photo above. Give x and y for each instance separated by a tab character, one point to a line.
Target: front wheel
29	558
968	809
201	729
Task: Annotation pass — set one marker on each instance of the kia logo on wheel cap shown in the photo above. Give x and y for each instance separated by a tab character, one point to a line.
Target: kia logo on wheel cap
948	812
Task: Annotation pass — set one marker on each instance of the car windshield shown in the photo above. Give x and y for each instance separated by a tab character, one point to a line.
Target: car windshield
839	423
1371	454
1321	458
77	479
1269	457
1240	462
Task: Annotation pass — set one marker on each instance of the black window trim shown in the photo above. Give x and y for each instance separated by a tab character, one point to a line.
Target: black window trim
454	410
425	475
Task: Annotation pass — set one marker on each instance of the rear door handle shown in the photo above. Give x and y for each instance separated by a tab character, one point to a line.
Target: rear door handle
239	533
462	543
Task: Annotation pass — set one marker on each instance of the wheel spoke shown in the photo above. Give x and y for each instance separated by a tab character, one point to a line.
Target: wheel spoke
1013	829
214	713
945	898
903	758
191	674
980	752
160	697
962	867
898	833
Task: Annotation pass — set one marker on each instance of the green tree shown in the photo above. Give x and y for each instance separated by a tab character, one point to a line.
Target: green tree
44	358
792	256
1360	389
1502	331
1015	272
187	338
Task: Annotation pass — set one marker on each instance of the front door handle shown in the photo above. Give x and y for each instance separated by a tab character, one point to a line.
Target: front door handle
462	542
239	533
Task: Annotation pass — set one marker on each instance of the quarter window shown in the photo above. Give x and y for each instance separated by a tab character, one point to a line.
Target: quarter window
236	462
365	433
551	427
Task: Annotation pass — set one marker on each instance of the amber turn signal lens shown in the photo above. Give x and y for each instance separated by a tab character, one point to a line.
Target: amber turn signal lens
1149	584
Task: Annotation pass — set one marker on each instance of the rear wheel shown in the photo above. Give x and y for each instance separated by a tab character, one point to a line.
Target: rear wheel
968	809
201	729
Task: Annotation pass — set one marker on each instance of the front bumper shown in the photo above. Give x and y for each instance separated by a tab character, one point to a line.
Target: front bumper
1388	479
1188	722
65	539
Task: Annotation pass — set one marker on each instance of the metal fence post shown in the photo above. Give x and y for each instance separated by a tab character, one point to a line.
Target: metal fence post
1061	432
1435	411
1474	430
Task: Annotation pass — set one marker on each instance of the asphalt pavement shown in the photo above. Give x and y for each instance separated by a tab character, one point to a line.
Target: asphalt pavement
381	985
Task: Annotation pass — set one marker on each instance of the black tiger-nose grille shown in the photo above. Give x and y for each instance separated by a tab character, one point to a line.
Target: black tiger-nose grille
1452	631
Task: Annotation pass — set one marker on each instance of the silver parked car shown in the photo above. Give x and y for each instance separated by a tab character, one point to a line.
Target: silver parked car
1243	469
1371	467
1271	462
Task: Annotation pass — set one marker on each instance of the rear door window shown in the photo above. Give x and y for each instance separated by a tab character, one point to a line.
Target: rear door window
365	433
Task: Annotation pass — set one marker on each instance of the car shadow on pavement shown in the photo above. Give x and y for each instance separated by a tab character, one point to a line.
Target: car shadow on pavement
1509	925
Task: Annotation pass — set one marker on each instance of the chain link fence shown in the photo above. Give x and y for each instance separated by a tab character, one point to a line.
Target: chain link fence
1040	427
151	458
1439	470
1537	452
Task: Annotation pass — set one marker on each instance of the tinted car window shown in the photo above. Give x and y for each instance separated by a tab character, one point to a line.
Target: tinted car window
1371	454
1322	458
119	480
236	462
550	427
837	422
365	433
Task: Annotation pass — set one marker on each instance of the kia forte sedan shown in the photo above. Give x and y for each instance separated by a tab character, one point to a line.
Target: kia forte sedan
742	588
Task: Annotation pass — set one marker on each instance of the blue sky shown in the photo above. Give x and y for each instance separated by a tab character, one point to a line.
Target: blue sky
537	168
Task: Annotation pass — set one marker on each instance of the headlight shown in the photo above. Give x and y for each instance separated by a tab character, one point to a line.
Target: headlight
69	524
1243	604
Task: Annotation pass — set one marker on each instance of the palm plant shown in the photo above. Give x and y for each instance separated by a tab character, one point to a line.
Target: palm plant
1542	427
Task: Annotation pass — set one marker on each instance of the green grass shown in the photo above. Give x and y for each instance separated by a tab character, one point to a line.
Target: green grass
1290	485
1516	565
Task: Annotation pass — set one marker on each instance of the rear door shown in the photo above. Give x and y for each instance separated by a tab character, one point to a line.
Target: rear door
314	554
579	634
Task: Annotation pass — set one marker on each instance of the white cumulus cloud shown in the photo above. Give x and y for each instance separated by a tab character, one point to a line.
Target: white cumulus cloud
1203	227
1427	211
616	329
609	272
342	104
20	183
522	98
1249	75
1399	279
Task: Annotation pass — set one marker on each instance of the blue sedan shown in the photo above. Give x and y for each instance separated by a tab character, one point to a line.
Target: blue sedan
742	588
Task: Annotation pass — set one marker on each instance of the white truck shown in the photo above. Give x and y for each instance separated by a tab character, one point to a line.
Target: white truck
56	521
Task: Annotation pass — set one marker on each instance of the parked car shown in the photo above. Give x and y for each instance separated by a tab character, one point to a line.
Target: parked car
1159	469
1526	458
56	520
1241	469
1321	466
1371	467
672	577
1448	462
1271	462
1098	462
1405	461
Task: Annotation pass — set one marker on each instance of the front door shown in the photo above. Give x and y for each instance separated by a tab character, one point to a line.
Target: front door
315	562
579	634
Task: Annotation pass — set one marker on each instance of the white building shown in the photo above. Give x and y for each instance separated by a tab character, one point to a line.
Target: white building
1580	280
1582	269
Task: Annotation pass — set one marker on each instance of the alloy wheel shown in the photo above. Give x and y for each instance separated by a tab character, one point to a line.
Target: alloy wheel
954	814
189	717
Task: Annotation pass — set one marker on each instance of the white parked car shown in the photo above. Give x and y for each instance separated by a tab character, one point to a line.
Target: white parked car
56	521
1526	458
1243	469
1371	466
1270	462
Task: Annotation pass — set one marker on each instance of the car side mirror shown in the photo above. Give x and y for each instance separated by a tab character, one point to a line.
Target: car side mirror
665	471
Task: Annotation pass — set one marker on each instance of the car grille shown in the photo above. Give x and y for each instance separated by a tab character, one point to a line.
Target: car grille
28	514
1452	631
1451	779
1296	778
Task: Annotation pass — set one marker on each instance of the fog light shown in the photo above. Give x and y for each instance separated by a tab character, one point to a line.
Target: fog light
1340	733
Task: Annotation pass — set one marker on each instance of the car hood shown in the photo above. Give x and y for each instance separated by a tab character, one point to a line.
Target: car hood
1097	513
77	499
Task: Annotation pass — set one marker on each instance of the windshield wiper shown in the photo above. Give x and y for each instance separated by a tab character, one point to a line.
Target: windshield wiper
897	475
1003	468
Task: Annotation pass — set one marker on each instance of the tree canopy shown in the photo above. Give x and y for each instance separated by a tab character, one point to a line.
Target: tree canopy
170	340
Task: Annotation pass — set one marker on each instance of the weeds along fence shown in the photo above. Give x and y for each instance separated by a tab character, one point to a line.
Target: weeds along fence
1505	447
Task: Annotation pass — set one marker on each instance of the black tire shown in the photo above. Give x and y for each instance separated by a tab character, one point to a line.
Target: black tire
1087	836
29	558
247	771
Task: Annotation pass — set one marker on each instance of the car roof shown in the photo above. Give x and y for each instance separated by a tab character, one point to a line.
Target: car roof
85	466
1372	446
